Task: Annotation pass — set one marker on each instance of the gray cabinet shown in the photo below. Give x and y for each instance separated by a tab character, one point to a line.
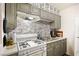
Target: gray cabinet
49	17
57	48
11	16
57	22
24	7
50	49
64	45
43	14
35	11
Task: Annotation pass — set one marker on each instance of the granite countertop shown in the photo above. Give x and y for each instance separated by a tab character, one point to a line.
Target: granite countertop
9	50
54	39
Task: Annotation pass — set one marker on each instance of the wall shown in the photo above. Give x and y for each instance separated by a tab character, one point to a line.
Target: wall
68	26
1	26
1	21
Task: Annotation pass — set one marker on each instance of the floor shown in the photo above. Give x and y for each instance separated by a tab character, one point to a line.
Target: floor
66	55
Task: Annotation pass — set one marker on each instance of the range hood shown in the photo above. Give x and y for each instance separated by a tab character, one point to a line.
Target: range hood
29	17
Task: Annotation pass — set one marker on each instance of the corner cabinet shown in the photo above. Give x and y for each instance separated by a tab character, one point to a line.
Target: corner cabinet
10	15
57	22
57	48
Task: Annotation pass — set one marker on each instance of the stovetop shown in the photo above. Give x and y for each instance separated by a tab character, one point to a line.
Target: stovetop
30	43
23	45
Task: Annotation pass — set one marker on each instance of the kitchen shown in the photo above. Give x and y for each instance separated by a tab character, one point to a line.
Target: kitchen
39	29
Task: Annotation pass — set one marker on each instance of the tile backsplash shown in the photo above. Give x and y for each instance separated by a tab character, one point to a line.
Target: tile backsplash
24	27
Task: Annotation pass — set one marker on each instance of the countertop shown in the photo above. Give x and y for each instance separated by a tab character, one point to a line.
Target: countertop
54	39
13	49
9	50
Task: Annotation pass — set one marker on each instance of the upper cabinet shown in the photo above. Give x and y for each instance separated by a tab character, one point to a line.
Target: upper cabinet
10	14
24	7
57	22
49	17
28	8
42	12
35	11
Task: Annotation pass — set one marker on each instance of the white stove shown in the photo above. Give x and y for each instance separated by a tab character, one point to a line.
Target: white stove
31	47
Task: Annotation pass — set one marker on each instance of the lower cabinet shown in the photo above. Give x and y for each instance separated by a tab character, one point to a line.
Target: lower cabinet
50	49
57	48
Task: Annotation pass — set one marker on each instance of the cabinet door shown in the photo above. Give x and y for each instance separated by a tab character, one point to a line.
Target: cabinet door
64	45
57	48
24	7
53	48
49	17
11	16
57	21
52	16
61	46
50	49
35	11
44	14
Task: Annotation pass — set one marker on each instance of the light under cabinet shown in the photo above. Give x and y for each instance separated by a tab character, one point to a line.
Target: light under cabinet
32	18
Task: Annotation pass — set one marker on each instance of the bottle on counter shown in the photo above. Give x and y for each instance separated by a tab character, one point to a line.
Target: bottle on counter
11	38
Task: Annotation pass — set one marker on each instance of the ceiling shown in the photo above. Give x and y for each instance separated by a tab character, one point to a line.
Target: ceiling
62	6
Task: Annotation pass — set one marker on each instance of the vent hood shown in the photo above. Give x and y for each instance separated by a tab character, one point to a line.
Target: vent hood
29	17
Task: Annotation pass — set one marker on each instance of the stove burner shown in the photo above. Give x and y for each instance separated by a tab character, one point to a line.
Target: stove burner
39	42
24	45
